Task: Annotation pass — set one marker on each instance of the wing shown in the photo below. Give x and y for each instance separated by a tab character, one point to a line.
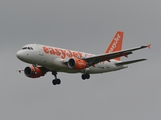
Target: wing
129	62
107	57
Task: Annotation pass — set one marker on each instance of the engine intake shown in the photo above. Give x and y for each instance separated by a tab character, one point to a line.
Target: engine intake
33	72
77	63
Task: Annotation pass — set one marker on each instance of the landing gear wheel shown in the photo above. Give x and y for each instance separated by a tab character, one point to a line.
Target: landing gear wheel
85	76
56	82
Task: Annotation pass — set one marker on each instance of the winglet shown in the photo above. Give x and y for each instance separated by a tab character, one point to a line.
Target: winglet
149	46
116	43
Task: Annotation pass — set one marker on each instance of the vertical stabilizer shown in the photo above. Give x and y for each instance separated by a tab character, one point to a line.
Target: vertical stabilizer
116	44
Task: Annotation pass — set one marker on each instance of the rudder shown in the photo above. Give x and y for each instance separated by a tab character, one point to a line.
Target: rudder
116	43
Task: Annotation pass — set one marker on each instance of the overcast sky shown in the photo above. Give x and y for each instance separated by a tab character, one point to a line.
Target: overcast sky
89	26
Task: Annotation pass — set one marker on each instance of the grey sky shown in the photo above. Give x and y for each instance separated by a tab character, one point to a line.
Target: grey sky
89	26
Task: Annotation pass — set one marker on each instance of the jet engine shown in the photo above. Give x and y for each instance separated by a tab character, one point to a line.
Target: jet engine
33	72
77	63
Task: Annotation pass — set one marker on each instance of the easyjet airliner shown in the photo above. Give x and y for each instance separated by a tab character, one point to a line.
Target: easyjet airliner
52	59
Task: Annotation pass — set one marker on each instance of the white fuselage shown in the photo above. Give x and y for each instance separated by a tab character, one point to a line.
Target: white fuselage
53	59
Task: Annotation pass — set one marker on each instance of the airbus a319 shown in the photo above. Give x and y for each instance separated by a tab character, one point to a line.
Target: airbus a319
45	59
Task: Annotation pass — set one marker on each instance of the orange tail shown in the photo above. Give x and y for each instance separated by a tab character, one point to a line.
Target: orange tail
116	44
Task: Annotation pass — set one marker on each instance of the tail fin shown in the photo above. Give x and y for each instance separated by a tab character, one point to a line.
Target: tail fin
116	44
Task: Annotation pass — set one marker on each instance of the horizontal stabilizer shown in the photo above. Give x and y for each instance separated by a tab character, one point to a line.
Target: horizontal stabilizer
130	62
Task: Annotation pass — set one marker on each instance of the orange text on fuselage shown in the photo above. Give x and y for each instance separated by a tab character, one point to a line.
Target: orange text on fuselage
63	53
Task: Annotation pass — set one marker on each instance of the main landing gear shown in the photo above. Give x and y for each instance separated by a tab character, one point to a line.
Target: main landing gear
85	76
56	81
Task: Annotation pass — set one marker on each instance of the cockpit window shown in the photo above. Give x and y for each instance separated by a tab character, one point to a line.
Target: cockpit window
24	48
29	48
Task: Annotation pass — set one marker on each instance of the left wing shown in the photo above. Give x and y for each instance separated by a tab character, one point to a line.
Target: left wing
107	57
129	62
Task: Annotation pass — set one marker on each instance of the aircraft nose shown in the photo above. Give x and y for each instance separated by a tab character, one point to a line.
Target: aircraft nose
24	56
19	55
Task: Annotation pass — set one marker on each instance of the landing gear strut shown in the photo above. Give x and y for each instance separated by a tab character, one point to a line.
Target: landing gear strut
85	76
56	81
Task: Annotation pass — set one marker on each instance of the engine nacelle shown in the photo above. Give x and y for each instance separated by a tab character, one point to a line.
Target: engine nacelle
33	72
77	63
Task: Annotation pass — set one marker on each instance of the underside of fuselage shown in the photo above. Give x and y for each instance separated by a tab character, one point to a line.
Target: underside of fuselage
98	68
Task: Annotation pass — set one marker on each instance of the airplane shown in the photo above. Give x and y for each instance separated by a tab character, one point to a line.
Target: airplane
45	59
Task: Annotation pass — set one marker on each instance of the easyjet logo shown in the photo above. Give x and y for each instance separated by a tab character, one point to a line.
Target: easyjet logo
116	40
63	53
